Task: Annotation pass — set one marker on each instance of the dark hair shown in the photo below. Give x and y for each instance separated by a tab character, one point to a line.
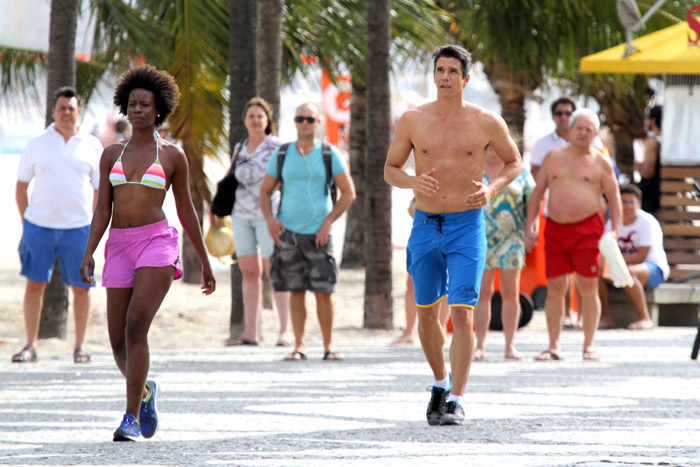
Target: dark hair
121	126
560	101
161	84
65	91
262	103
631	190
453	51
655	113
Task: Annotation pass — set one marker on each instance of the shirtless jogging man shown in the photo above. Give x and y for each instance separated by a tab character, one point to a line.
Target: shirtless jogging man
577	176
449	138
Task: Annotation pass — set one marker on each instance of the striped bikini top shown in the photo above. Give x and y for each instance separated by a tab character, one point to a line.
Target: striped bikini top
154	176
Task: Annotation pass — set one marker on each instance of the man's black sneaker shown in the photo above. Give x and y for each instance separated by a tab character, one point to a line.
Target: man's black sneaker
436	406
454	414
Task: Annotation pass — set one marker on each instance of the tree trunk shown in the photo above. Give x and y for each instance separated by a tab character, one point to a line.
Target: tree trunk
242	64
511	94
269	53
513	112
378	304
353	248
242	71
54	314
62	30
622	101
61	72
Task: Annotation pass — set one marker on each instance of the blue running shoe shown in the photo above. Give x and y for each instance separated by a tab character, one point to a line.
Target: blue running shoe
129	430
149	411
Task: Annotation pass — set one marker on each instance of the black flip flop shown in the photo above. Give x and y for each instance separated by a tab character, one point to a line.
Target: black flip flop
295	356
27	354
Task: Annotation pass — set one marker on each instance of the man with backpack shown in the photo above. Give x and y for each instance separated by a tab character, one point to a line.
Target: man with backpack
307	171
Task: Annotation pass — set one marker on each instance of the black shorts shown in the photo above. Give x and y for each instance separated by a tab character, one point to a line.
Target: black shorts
297	264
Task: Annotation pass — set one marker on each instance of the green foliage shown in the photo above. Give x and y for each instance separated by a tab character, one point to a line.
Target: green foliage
335	33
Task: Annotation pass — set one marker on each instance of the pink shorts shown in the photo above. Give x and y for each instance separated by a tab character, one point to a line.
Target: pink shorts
149	246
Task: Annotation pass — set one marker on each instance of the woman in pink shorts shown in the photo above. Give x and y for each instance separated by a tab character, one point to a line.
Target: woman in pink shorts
141	254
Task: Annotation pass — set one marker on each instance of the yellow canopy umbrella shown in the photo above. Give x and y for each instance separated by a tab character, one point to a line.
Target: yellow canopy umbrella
667	51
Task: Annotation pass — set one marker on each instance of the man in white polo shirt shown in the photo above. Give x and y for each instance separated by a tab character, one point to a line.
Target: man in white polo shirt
63	162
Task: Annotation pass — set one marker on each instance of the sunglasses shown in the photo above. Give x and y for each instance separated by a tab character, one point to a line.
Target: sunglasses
559	113
300	119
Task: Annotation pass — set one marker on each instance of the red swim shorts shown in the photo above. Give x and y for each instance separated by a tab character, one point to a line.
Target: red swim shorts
573	247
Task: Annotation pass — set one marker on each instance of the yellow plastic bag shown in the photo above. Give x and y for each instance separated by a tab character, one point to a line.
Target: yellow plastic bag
219	239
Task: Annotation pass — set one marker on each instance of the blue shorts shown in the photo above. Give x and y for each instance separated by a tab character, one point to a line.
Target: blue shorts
40	246
446	255
656	275
251	236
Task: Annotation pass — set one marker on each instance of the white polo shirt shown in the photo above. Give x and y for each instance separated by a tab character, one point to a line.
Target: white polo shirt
65	175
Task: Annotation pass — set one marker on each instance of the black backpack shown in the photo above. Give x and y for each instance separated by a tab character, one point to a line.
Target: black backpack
330	184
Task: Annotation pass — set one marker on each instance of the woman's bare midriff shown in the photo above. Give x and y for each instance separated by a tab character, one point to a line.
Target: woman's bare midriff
136	205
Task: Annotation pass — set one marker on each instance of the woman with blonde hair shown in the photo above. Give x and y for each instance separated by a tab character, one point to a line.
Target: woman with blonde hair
253	243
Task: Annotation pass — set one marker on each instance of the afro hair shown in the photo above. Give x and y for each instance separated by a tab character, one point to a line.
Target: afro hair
160	83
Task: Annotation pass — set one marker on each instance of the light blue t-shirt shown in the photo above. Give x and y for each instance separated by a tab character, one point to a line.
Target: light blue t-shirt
305	203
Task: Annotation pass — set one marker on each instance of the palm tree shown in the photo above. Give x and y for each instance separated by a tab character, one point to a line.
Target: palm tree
61	72
353	246
242	71
269	52
525	43
188	39
378	307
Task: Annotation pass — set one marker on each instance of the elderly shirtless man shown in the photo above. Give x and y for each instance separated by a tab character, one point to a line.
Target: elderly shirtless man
449	138
576	176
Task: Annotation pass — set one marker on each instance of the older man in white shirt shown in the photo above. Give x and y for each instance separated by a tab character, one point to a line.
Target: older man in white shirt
63	163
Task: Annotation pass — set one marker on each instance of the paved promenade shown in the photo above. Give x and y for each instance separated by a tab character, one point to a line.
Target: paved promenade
244	406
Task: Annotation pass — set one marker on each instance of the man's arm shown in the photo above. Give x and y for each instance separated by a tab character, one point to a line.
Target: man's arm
533	208
639	256
347	195
507	151
22	197
274	226
399	151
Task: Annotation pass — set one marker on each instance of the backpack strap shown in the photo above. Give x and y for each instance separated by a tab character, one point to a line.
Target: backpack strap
327	161
281	154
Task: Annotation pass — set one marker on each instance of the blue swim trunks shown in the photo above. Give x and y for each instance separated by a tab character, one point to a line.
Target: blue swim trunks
446	255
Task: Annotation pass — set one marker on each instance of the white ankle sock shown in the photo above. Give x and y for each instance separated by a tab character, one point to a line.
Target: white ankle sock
443	383
453	398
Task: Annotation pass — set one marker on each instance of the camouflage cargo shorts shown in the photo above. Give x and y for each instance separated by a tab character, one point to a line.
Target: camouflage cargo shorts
297	264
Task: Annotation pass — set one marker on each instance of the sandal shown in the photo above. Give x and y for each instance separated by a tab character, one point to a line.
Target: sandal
332	356
240	341
27	354
591	355
80	356
282	342
295	356
548	356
